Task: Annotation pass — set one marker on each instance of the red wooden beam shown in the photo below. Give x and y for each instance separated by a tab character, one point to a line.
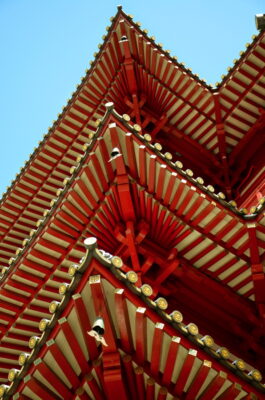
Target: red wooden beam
98	368
198	380
221	141
85	325
246	91
214	386
130	236
162	393
39	389
231	393
130	376
74	344
113	379
123	186
257	271
49	375
131	155
123	321
156	349
22	397
81	394
185	202
64	364
140	335
140	386
168	269
94	387
142	165
170	361
185	372
150	389
102	310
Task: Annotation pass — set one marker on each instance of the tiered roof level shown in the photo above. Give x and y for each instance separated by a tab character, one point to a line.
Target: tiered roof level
172	235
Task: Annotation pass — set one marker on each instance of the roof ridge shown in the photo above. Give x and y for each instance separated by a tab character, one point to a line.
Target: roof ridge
243	54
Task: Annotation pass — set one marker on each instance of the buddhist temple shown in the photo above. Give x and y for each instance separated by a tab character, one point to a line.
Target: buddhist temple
132	241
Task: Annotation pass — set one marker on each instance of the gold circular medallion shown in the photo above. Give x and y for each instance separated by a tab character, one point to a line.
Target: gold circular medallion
176	316
146	290
179	164
158	146
63	288
192	329
12	374
200	180
168	156
224	352
23	358
256	375
43	324
240	364
33	341
53	306
132	276
208	341
232	203
189	172
72	270
147	137
210	188
137	128
117	262
126	117
3	390
221	195
161	303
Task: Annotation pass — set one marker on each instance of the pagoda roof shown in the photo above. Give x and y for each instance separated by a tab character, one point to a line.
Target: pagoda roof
189	116
65	361
191	239
209	247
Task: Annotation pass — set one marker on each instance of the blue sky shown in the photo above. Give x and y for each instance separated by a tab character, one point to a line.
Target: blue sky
47	45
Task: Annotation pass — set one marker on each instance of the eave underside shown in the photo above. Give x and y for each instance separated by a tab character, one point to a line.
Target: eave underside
170	103
93	204
144	357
